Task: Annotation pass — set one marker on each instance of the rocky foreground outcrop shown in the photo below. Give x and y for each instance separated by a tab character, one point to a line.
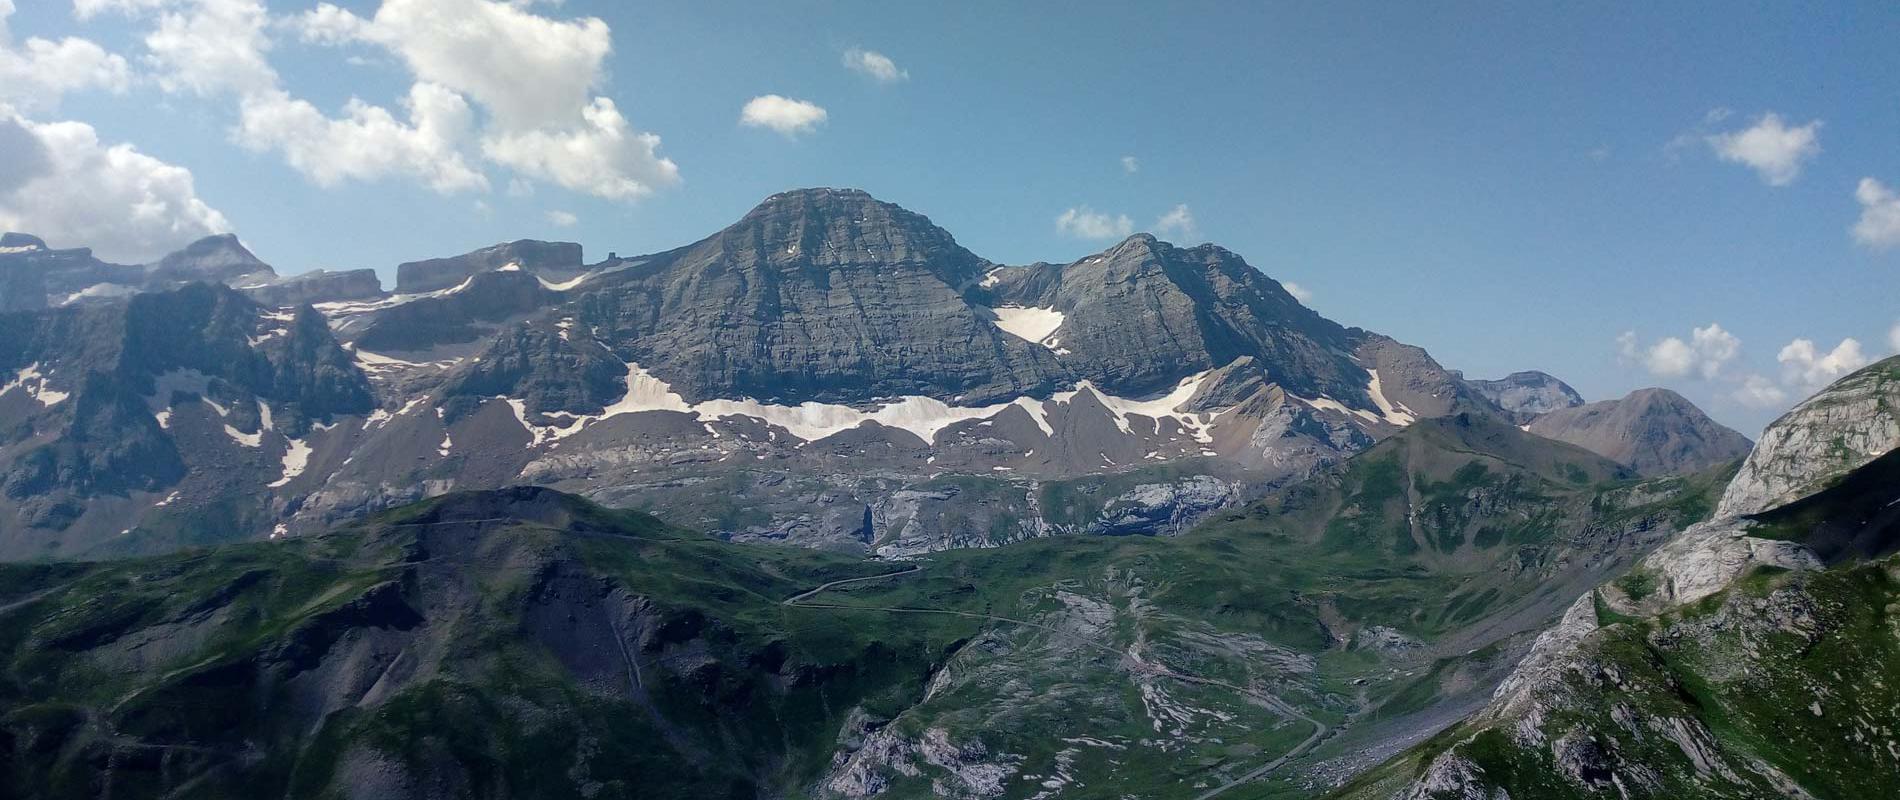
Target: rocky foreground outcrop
1749	657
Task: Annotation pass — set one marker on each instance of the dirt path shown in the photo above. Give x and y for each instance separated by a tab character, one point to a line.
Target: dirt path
1320	729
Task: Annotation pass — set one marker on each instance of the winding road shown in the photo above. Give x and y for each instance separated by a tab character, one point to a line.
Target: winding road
1320	729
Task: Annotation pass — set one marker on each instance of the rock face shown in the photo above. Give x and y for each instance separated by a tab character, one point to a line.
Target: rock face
1664	682
442	273
1527	394
820	295
1655	431
1840	429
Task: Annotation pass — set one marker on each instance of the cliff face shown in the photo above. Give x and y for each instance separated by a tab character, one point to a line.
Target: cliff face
1849	424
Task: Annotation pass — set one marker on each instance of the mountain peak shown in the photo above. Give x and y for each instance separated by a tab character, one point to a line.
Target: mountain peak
845	228
1656	431
221	258
11	242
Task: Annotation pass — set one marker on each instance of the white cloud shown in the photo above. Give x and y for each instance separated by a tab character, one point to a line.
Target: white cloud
62	183
562	219
1879	223
1804	366
1893	338
1758	391
208	47
1771	148
783	114
604	157
1083	222
1299	292
367	142
1131	165
526	69
1707	351
492	79
1178	221
37	73
876	65
535	77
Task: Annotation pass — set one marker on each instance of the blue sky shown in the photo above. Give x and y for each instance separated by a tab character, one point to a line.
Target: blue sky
1511	187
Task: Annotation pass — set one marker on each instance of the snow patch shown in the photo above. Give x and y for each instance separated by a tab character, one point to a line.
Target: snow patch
1028	324
33	383
296	458
924	416
1395	413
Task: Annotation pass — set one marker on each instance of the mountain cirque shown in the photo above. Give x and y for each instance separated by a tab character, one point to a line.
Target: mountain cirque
831	370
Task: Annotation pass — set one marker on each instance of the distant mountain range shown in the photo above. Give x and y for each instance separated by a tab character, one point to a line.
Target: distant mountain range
831	370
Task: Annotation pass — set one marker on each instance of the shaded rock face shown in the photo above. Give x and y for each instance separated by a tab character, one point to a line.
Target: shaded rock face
1847	425
463	316
91	393
442	273
1527	394
1144	313
1654	431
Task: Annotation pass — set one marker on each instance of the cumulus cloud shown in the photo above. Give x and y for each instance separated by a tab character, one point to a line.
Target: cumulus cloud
875	65
1803	365
1770	147
209	47
783	114
562	219
1131	165
70	188
501	83
1083	222
1705	353
604	156
367	142
1879	223
1893	338
35	74
1179	221
536	78
1299	292
1758	391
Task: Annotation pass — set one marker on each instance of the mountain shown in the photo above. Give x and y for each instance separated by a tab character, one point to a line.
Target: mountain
1750	656
1654	431
1527	394
838	370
